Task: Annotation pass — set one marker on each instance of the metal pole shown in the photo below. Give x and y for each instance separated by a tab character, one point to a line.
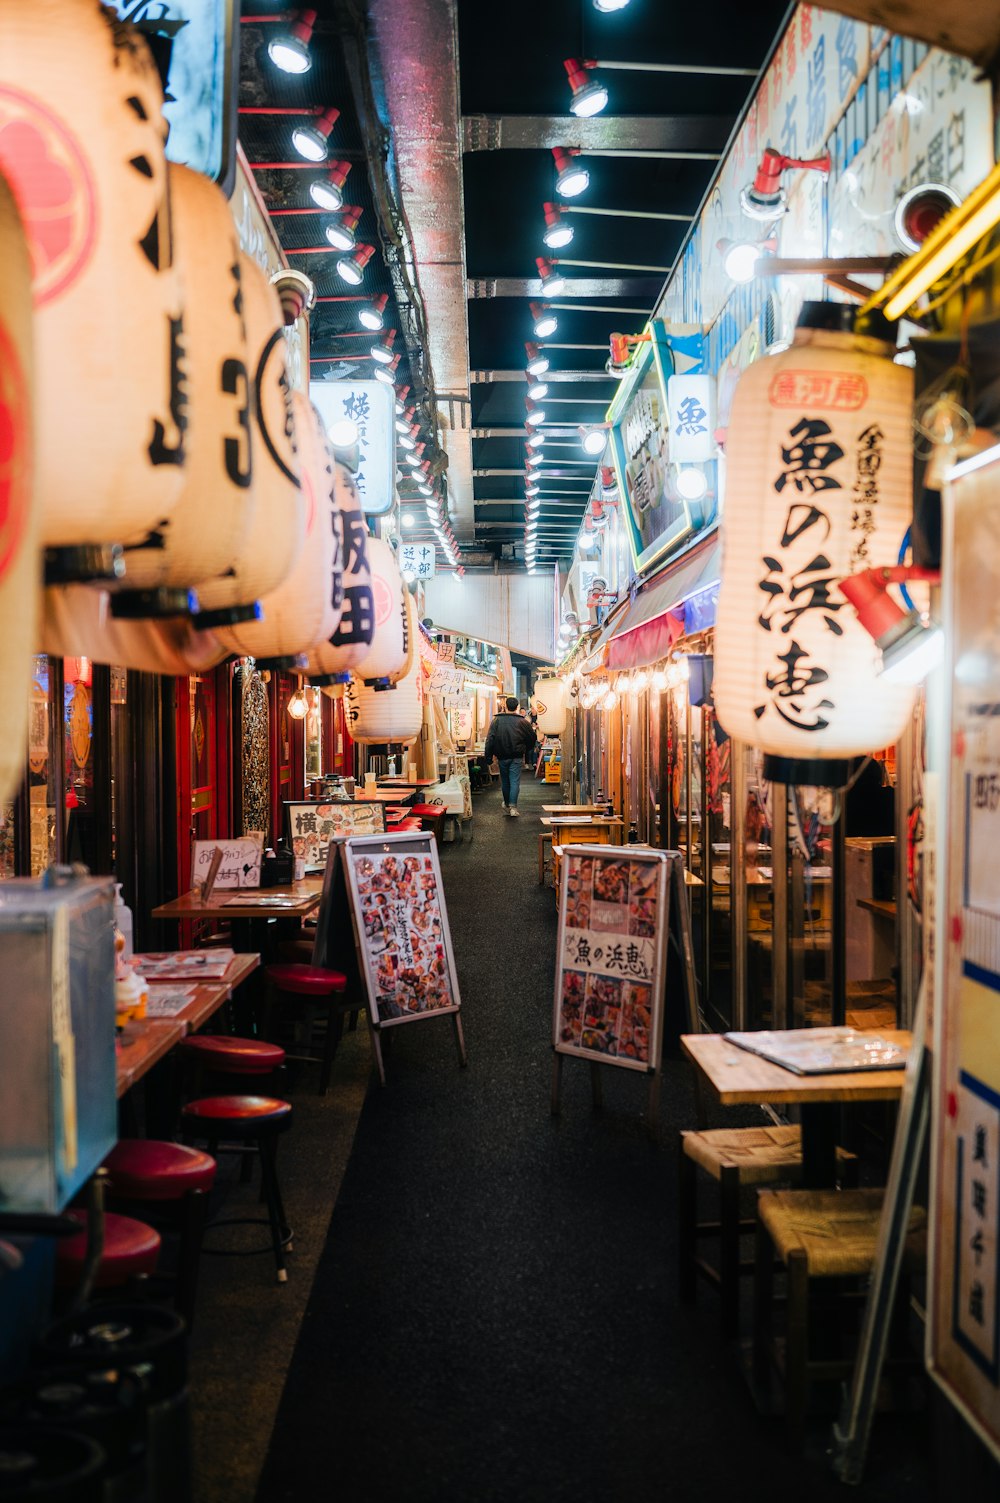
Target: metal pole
651	155
779	905
620	213
594	308
613	266
838	936
738	880
716	72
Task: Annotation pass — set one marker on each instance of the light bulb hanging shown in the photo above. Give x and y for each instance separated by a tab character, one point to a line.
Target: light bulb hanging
556	234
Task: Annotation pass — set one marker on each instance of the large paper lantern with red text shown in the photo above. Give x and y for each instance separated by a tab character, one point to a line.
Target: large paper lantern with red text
299	613
550	706
209	524
273	538
81	143
19	561
77	621
819	463
395	714
389	650
348	644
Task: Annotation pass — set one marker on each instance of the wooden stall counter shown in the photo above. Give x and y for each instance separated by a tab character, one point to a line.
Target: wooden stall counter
292	900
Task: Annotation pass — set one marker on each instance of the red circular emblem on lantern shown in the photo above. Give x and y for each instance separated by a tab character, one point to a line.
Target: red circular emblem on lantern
15	452
382	598
54	189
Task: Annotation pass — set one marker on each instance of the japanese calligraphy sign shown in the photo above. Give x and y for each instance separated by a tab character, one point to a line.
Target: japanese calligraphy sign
819	459
368	404
401	927
240	864
964	1323
310	827
613	922
417	560
690	400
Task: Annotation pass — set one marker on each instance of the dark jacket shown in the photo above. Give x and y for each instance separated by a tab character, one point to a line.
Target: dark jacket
509	736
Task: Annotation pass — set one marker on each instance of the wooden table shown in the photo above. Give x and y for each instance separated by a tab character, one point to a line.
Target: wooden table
882	907
593	829
739	1078
145	1041
380	796
574	808
416	783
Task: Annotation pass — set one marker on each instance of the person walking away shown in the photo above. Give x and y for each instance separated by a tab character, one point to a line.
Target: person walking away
509	739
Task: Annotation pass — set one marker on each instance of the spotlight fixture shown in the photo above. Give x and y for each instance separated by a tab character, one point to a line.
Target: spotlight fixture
328	192
571	179
534	460
387	373
556	233
538	361
765	197
536	440
590	96
312	141
382	350
351	268
553	282
405	420
740	257
402	392
588	537
370	315
534	414
340	232
536	389
416	459
290	50
408	440
910	644
408	519
607	7
594	440
691	482
921	210
532	488
545	321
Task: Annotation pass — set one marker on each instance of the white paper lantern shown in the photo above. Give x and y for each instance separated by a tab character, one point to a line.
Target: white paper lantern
299	613
208	527
273	539
348	645
77	621
19	561
388	655
394	714
819	459
81	143
550	706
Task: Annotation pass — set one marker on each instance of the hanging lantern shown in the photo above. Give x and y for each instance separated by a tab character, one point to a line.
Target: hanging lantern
78	619
348	645
550	704
394	714
299	613
81	143
387	656
19	564
272	540
208	527
820	463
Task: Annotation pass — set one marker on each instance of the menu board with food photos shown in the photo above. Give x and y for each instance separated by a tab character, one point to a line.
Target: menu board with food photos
610	955
311	827
401	930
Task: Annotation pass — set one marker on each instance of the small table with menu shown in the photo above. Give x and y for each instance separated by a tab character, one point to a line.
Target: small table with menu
247	910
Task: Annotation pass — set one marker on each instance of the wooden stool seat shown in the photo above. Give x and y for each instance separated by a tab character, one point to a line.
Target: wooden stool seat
147	1169
130	1248
835	1231
761	1155
233	1056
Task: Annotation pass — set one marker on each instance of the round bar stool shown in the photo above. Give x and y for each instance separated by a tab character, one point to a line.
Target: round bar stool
224	1054
146	1171
131	1249
315	985
246	1122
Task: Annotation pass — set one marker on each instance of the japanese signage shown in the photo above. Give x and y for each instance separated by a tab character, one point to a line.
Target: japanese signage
446	652
690	404
964	1324
613	919
417	560
240	865
369	405
310	827
401	927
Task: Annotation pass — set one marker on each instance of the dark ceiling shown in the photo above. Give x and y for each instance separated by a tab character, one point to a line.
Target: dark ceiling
511	67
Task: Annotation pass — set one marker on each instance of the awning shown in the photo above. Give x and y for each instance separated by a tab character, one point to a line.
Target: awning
647	631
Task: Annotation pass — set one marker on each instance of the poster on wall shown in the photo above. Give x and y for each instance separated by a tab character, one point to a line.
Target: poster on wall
417	560
610	955
964	1315
310	827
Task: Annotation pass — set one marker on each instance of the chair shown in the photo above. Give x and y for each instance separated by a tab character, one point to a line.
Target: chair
816	1234
735	1157
131	1250
315	985
247	1122
145	1171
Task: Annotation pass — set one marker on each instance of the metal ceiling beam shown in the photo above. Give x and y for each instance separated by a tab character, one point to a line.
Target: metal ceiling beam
549	475
484	377
700	137
638	287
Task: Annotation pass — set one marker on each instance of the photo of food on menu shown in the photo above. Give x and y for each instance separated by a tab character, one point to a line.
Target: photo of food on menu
605	998
403	934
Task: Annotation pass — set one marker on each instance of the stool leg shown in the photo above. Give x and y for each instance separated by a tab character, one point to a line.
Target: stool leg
269	1180
334	1034
797	1347
193	1216
729	1254
687	1223
763	1297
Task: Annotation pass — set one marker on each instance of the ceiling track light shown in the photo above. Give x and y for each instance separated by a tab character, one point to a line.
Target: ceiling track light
536	440
416	459
553	282
408	440
556	234
571	179
340	232
382	350
327	192
545	321
371	316
538	361
536	388
765	198
405	419
589	96
402	392
289	51
608	7
351	269
387	373
534	414
312	141
594	439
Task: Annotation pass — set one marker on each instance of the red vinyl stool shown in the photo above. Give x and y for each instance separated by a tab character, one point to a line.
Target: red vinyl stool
141	1171
406	824
246	1121
225	1054
431	817
130	1248
315	985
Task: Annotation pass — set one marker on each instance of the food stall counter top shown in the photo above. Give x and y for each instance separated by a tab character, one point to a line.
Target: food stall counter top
740	1078
291	900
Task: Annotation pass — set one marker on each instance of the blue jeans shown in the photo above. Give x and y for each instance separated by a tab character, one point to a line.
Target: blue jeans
510	779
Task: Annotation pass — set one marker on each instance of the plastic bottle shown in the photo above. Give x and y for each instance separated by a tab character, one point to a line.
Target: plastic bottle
392	766
123	920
